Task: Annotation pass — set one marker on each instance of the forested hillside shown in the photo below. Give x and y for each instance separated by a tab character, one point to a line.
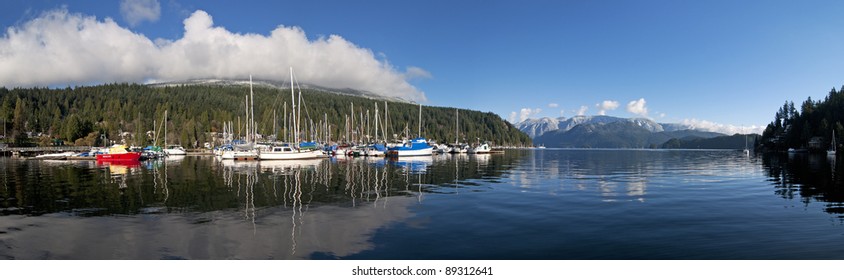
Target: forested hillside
811	127
129	111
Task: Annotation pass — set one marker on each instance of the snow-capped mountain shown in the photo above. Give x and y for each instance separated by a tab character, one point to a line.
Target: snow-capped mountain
536	127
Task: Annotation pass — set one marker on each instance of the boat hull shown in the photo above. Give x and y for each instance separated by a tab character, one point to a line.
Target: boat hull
411	152
175	152
131	156
268	155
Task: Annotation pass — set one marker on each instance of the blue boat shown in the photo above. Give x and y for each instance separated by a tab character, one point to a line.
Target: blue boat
414	147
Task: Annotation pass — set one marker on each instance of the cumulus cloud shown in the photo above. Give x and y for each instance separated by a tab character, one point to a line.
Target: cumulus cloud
582	111
721	128
512	117
553	105
638	107
60	48
137	11
606	105
526	113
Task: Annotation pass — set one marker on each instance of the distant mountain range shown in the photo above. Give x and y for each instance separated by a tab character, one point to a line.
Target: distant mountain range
277	85
614	132
537	127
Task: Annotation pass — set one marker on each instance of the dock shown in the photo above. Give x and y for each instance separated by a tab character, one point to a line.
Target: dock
34	151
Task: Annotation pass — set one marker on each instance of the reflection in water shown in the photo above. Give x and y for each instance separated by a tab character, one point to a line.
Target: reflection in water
202	208
563	204
809	177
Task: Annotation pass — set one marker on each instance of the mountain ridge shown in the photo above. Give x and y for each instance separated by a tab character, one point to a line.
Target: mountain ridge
537	127
615	135
275	84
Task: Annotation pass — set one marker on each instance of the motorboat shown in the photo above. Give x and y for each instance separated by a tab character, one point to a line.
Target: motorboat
175	150
480	149
119	153
287	152
414	147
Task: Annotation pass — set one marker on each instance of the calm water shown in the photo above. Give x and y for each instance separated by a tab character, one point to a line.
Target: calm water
543	204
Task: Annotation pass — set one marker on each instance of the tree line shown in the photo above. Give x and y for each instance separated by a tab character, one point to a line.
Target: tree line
133	114
815	120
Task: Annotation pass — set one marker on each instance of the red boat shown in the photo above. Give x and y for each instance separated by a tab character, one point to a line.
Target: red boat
118	153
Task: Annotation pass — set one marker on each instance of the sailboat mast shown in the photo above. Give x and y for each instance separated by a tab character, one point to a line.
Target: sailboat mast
246	122
376	122
420	120
457	127
252	110
327	131
386	120
165	128
293	99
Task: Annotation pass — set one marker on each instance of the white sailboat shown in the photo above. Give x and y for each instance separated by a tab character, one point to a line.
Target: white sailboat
245	151
746	150
377	149
832	147
457	148
171	150
290	152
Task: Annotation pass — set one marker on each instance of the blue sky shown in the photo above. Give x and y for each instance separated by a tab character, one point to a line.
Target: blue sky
705	62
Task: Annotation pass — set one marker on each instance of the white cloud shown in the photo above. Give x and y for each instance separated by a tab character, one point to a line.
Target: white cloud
526	113
83	50
553	105
638	107
512	118
721	128
606	105
137	11
582	111
414	72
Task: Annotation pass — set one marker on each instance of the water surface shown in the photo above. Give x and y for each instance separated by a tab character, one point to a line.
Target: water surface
540	204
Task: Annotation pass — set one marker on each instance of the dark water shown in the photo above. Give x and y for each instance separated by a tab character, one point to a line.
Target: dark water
543	204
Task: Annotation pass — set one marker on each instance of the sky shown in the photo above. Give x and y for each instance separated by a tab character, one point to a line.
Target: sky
723	65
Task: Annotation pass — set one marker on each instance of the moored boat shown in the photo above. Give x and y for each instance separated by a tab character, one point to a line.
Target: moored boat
286	152
63	155
480	149
175	150
414	147
119	153
832	147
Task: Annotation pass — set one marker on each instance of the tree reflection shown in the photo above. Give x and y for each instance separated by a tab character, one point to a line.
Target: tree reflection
809	177
200	185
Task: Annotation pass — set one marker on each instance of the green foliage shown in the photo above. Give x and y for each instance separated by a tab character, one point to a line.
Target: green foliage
792	129
195	112
736	141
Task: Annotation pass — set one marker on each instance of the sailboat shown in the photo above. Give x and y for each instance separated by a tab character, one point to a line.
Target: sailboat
171	150
376	149
746	150
287	151
832	146
414	147
481	148
244	150
457	148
